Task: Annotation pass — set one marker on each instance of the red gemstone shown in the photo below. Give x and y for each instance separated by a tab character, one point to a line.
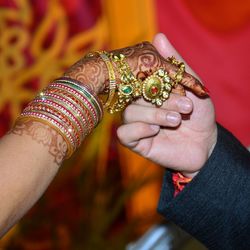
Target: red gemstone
154	90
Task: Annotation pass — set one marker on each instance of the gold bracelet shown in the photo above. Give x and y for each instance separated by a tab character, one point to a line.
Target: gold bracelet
112	80
129	89
54	125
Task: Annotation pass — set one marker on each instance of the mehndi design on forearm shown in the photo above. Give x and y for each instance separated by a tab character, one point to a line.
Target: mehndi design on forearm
44	135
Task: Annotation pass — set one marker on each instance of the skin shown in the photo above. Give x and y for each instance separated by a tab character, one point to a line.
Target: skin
180	135
32	152
142	57
30	156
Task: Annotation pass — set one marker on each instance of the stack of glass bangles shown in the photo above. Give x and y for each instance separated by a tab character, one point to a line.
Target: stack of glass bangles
73	110
69	107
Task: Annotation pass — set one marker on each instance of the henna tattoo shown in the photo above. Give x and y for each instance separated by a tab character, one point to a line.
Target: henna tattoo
179	89
90	71
43	134
142	57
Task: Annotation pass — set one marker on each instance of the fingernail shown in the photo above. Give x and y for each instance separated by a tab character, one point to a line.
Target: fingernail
185	105
173	117
155	127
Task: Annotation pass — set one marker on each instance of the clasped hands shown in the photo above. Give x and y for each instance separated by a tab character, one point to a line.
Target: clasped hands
182	133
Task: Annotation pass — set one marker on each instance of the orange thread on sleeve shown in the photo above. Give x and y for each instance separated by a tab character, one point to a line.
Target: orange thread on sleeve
179	181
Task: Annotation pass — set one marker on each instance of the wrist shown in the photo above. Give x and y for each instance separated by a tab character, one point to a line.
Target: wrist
213	141
91	71
210	141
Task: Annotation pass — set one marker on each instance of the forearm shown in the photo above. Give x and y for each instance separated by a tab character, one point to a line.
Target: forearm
30	156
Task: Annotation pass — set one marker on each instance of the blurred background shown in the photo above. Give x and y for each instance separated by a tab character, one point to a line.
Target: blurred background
105	196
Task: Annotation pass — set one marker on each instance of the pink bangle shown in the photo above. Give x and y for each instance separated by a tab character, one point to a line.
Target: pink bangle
71	109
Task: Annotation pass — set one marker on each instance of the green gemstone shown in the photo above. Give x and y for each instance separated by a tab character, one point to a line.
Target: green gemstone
127	90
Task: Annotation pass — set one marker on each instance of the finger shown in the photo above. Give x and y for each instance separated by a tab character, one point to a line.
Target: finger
190	79
130	134
166	49
151	115
176	102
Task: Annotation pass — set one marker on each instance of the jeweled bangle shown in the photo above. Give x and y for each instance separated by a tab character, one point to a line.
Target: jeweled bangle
76	113
66	92
70	103
86	95
112	79
129	89
86	91
69	108
59	111
77	97
47	120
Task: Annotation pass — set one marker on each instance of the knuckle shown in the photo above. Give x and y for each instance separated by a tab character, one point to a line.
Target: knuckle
142	148
159	116
143	128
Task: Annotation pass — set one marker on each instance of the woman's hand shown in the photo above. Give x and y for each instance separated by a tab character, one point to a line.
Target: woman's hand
142	58
180	135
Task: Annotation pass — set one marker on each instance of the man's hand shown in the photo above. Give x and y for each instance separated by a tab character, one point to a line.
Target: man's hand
180	135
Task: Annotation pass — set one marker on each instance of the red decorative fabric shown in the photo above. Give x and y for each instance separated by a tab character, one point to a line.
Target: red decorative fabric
218	53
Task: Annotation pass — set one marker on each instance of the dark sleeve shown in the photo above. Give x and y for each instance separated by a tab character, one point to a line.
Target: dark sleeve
215	206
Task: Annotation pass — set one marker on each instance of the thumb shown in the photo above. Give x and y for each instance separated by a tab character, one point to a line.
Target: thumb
166	49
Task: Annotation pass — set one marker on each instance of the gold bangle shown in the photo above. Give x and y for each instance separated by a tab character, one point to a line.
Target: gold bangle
129	89
112	80
70	147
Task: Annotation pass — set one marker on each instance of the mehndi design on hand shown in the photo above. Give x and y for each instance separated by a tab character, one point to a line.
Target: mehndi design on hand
142	58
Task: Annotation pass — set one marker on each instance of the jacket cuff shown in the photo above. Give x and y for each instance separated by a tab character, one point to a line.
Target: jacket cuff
203	208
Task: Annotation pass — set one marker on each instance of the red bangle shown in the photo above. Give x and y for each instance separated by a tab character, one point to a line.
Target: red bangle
179	181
